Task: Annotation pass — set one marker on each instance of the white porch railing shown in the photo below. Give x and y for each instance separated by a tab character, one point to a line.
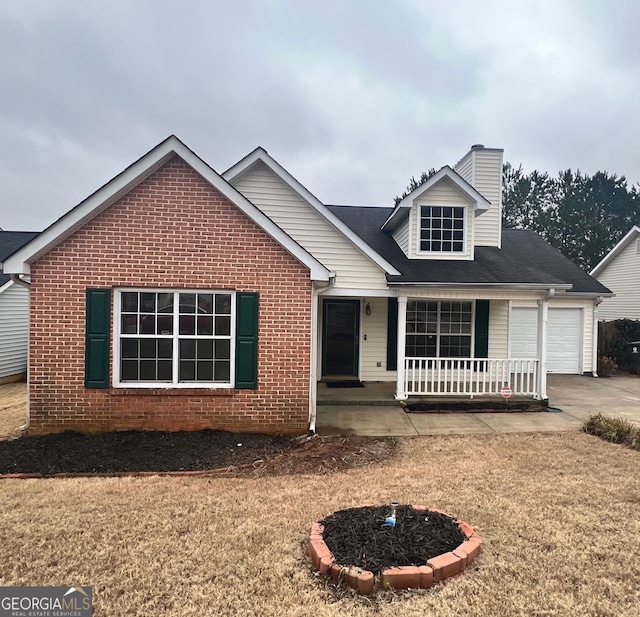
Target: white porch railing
475	376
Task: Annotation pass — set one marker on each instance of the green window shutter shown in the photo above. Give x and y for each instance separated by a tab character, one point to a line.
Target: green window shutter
482	329
392	334
96	353
246	340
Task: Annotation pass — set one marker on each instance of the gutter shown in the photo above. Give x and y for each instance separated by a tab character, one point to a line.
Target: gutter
16	279
594	342
313	377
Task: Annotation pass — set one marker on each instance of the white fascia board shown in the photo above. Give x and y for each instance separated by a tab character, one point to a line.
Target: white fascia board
260	155
6	286
480	203
615	250
19	262
354	292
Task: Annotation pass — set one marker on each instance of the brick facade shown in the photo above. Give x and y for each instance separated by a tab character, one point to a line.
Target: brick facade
172	231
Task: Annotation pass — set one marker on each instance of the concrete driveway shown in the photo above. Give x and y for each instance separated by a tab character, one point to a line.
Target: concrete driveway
578	397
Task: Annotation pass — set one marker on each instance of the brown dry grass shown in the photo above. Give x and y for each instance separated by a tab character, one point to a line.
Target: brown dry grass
13	408
560	516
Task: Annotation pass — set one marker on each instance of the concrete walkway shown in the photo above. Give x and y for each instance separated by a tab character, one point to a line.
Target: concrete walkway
577	396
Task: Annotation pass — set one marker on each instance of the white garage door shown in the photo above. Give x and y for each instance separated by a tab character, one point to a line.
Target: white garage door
564	337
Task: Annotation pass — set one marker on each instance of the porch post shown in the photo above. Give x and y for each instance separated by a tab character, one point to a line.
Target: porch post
402	332
543	314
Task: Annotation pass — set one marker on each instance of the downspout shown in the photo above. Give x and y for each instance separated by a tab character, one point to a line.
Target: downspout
542	341
594	342
16	279
313	377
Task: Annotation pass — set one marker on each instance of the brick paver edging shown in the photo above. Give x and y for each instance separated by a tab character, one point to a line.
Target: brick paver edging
363	581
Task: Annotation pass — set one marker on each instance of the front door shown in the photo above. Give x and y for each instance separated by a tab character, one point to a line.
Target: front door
340	338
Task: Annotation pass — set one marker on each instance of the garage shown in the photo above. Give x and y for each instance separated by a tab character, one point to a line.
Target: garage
564	340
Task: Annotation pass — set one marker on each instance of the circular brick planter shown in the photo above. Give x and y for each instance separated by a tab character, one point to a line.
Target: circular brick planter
364	581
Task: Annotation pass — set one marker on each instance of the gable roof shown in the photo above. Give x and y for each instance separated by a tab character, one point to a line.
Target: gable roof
480	203
260	155
10	242
616	250
133	175
525	259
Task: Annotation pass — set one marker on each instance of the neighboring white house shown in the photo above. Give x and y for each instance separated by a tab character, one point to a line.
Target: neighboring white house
619	270
14	313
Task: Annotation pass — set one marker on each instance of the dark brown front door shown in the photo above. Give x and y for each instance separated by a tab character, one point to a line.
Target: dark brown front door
340	338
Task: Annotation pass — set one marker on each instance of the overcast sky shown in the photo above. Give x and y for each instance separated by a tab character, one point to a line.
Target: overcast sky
353	97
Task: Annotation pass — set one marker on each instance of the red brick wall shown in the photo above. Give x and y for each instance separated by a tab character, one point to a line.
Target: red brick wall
172	231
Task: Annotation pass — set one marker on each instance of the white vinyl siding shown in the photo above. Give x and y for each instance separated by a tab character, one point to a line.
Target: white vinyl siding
14	330
622	277
499	329
402	237
444	193
483	170
374	349
309	229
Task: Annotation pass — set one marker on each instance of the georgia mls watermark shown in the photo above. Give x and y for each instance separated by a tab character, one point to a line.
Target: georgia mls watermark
45	601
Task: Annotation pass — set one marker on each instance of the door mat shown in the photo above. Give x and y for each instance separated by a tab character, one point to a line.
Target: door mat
354	383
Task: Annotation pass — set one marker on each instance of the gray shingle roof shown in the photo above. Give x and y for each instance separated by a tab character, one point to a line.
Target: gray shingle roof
10	242
524	257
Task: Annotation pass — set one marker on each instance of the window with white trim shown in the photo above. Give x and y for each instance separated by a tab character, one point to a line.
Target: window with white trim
175	337
437	329
442	229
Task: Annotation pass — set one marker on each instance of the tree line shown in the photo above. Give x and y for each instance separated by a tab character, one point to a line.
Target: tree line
583	216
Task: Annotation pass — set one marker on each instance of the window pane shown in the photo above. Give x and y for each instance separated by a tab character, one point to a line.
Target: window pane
223	304
205	370
165	324
130	302
147	370
148	302
223	350
129	324
223	326
458	213
223	371
147	348
187	370
187	324
147	324
205	325
165	348
165	372
129	348
205	304
165	303
129	370
187	349
205	350
187	303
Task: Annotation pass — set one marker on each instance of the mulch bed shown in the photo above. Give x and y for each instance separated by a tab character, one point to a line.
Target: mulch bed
245	454
358	537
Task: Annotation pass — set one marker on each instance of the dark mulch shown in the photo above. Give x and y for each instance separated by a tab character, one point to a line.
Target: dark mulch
133	451
358	537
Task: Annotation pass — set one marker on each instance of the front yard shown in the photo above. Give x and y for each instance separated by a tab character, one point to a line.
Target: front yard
559	514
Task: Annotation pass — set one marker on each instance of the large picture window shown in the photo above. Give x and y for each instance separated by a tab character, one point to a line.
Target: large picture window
438	329
175	337
442	229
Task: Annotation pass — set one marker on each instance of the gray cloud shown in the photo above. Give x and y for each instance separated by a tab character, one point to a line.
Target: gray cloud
352	97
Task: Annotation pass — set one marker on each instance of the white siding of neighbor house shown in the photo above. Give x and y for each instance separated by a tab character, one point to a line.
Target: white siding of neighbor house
586	306
622	277
402	236
14	330
444	193
309	229
483	170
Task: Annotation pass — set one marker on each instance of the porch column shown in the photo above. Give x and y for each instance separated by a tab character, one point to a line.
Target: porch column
402	334
543	314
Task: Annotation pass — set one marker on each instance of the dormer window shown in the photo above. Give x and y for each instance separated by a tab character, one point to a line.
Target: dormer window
442	229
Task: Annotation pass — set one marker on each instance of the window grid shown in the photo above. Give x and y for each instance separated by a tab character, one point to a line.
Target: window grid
438	329
175	337
442	229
